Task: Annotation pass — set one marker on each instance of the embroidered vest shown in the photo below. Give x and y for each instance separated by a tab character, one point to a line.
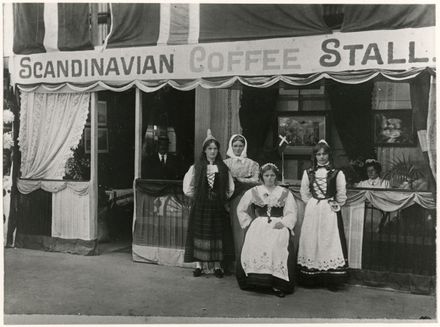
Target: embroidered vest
260	209
330	180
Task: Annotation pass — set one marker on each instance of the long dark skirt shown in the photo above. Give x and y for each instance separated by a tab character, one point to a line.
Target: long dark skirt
209	235
314	277
256	282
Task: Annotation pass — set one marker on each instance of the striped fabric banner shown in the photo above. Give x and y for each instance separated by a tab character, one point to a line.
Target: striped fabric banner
172	24
49	27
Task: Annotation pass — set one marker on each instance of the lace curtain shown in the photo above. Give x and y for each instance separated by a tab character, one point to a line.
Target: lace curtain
51	126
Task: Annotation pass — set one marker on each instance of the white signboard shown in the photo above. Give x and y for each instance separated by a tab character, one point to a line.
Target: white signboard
392	49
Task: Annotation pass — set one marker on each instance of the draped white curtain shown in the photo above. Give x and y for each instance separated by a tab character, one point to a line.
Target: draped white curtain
51	126
431	131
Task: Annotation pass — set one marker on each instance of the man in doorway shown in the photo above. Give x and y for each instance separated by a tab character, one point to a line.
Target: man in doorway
161	164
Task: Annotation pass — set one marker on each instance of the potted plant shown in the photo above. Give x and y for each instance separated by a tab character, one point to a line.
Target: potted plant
403	173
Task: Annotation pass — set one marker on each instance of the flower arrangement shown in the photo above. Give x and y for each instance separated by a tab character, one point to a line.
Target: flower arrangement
8	117
8	142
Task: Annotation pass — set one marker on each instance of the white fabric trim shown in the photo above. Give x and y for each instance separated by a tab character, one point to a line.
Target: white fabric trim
71	216
258	82
194	23
161	256
28	186
50	40
164	27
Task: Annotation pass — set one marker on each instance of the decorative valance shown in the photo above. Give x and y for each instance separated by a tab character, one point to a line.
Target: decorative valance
384	199
27	186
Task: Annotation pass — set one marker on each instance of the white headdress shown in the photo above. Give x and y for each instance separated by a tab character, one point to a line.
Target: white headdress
230	152
323	141
269	164
209	136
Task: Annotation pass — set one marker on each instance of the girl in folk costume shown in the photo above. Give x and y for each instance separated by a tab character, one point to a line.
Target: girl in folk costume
209	237
267	257
245	173
322	254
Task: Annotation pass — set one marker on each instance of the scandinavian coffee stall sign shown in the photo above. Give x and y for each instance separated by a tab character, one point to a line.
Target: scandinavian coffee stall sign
390	49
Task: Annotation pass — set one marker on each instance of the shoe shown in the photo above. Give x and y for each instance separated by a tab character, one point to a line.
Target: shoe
219	273
279	293
197	272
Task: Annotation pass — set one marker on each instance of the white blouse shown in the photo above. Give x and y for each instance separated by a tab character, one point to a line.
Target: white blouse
374	183
341	192
188	184
289	210
244	169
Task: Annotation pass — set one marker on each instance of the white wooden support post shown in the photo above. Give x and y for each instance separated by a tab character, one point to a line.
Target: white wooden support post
93	188
138	137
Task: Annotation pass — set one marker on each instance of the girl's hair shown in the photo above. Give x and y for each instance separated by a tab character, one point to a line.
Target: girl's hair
266	167
200	171
376	164
327	149
238	138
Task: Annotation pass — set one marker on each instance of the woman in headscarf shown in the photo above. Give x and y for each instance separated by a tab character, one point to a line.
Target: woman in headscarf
209	183
241	167
322	253
245	172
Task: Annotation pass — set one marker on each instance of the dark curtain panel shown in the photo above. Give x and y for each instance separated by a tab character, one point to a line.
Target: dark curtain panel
232	22
351	107
387	17
35	213
419	91
256	117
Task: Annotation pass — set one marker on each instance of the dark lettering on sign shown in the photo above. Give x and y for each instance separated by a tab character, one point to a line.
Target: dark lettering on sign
97	66
62	67
125	68
412	54
40	67
164	62
391	59
26	70
49	70
332	58
76	68
352	52
112	66
86	67
372	53
149	64
252	57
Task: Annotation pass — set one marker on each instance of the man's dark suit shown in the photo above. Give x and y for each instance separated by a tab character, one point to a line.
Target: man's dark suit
152	168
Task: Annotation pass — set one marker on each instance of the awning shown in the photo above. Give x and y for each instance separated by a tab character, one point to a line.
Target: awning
218	45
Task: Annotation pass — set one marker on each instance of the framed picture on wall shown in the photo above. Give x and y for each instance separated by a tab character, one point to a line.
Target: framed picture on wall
102	140
393	128
302	131
102	114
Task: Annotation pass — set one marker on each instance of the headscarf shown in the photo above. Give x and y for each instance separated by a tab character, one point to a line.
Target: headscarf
230	152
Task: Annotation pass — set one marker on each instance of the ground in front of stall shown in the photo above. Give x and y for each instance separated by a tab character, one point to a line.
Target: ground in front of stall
45	287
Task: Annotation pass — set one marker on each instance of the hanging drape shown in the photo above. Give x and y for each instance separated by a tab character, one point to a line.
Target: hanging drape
256	112
351	108
420	98
386	17
144	24
51	126
431	130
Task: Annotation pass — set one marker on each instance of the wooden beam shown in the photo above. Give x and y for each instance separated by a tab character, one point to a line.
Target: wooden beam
138	137
93	187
